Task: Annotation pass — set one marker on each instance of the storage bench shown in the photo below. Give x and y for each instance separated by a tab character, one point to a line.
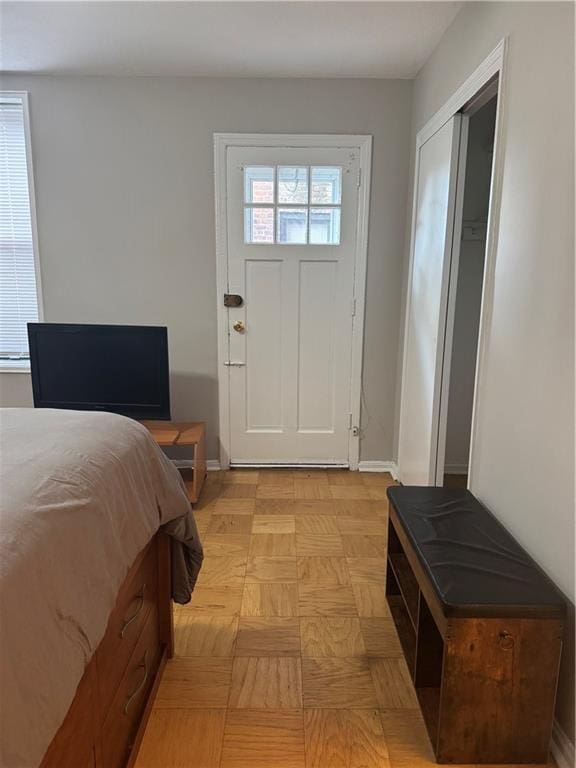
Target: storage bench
480	625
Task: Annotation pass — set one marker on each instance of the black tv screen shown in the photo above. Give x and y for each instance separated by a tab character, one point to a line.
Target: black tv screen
117	368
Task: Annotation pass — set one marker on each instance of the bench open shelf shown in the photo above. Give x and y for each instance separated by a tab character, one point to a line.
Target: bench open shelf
421	642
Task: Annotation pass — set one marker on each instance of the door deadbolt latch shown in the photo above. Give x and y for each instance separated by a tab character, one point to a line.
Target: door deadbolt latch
239	326
233	300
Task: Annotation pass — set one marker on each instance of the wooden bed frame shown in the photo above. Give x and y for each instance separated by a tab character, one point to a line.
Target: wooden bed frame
106	721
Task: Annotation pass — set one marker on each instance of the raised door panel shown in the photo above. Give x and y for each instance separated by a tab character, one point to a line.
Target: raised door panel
263	345
316	354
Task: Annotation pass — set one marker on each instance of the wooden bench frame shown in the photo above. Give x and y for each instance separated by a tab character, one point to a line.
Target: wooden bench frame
486	685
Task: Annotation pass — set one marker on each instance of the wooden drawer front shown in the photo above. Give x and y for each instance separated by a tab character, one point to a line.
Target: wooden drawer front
73	744
138	596
123	718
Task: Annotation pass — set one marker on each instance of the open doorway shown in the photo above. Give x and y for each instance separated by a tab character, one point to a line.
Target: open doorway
471	229
455	208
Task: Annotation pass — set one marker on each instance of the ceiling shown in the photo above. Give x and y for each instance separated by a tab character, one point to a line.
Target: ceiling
238	39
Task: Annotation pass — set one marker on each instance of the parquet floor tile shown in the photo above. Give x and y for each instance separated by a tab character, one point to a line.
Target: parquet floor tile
287	655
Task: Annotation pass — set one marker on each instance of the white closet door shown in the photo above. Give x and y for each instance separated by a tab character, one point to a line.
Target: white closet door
427	304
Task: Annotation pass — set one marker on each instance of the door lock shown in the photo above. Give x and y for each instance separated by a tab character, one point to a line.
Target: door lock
239	326
233	300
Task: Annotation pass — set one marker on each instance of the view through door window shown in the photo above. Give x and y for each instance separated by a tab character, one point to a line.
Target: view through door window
292	205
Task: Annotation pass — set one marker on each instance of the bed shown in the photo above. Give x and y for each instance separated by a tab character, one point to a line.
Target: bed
96	538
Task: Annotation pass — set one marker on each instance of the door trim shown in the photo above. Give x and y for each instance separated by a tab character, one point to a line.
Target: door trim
493	65
456	130
452	284
363	143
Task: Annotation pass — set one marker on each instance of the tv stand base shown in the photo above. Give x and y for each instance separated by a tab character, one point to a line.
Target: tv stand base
188	433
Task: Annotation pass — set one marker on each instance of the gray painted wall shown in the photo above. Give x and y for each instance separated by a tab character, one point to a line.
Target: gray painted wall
125	204
523	467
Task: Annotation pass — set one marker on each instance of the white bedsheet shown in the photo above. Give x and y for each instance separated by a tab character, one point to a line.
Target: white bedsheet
81	494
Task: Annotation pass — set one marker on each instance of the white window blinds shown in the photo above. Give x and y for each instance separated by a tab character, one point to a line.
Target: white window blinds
18	295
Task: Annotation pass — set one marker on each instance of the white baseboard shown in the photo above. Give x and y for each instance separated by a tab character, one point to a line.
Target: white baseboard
285	465
562	749
212	465
379	466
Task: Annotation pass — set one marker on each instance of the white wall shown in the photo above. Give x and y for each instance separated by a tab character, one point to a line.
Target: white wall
523	465
125	204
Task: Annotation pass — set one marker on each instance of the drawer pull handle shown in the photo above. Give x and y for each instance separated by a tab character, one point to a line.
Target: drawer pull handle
143	665
136	612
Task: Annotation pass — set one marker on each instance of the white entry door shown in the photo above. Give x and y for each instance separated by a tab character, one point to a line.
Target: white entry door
292	232
426	308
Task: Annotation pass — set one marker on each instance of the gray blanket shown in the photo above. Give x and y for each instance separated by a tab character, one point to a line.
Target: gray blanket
187	556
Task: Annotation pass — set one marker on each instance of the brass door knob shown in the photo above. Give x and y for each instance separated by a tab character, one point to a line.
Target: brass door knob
239	326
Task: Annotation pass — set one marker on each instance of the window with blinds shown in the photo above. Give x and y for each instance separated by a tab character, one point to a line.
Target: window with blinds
18	286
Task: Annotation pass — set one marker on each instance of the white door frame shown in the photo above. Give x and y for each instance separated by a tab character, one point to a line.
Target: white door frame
452	283
493	64
362	143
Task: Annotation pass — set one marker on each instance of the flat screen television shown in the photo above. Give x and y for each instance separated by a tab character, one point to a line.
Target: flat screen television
118	368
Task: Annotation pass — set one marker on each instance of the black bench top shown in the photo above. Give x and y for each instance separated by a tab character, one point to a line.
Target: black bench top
475	566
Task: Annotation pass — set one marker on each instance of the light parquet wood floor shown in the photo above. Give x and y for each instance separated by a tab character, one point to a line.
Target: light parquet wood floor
287	656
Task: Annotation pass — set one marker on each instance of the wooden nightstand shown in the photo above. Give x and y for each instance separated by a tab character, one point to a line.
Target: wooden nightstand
189	433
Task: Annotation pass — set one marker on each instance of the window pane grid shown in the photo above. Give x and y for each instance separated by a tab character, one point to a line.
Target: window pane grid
292	205
18	298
